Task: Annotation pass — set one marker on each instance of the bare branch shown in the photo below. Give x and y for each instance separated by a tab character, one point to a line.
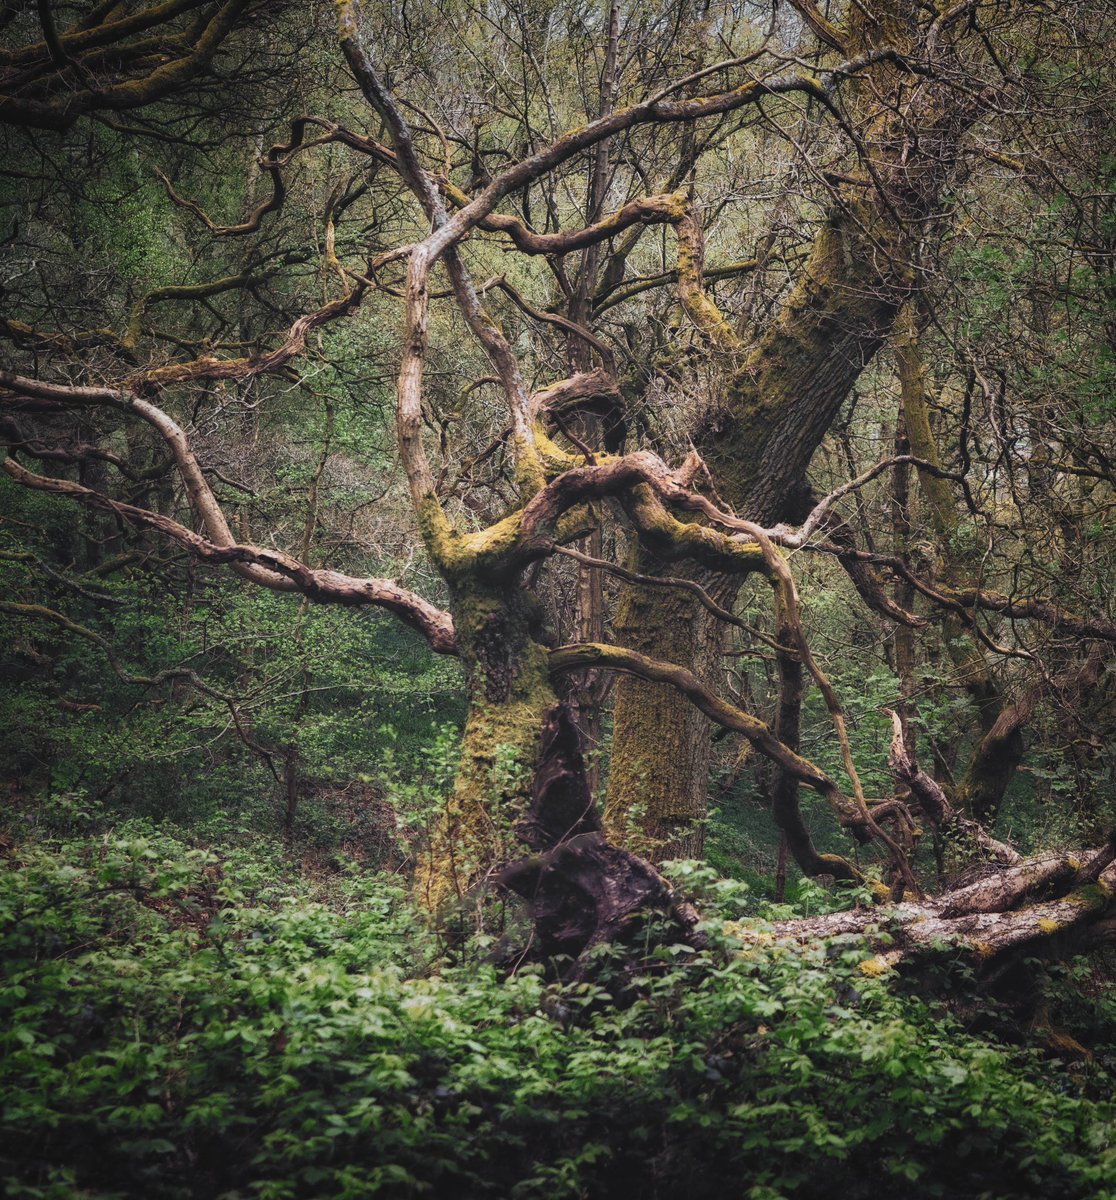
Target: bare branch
580	655
270	568
935	804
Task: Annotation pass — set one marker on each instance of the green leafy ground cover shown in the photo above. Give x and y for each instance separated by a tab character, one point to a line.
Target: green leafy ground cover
186	1022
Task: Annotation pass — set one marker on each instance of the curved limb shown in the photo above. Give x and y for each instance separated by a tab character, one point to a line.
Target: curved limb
270	568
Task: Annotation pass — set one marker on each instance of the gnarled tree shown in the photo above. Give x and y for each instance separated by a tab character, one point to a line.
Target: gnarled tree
435	209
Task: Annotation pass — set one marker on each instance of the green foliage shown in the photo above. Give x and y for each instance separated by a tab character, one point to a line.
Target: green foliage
418	778
348	693
195	1016
189	1022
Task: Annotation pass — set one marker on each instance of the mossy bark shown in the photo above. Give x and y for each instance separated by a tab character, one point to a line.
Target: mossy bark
1051	906
510	694
656	799
777	410
781	400
779	406
521	816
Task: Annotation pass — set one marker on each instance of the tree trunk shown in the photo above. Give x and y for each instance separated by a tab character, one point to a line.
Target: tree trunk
510	695
521	816
994	761
781	398
777	410
1055	905
659	768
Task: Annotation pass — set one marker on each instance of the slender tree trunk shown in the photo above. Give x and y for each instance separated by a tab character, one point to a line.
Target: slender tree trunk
589	690
993	765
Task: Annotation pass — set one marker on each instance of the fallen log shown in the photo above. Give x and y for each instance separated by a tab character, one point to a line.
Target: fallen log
1053	905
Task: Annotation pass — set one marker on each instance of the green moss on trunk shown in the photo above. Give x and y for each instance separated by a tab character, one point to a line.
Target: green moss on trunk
658	777
510	694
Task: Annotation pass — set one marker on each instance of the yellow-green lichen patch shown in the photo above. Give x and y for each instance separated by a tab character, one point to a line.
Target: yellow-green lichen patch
874	967
748	931
441	539
530	474
488	546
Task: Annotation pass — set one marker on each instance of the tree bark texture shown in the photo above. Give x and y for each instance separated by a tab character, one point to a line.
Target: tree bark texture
780	400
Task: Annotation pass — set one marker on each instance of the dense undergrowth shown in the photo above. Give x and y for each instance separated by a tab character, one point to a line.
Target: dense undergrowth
186	1022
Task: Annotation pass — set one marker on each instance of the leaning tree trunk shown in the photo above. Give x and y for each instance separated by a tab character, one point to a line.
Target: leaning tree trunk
778	409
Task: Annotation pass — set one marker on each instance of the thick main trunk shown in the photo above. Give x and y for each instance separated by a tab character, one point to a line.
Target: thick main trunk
510	694
777	411
659	768
521	816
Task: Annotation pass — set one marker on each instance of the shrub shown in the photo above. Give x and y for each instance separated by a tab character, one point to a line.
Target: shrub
201	1023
